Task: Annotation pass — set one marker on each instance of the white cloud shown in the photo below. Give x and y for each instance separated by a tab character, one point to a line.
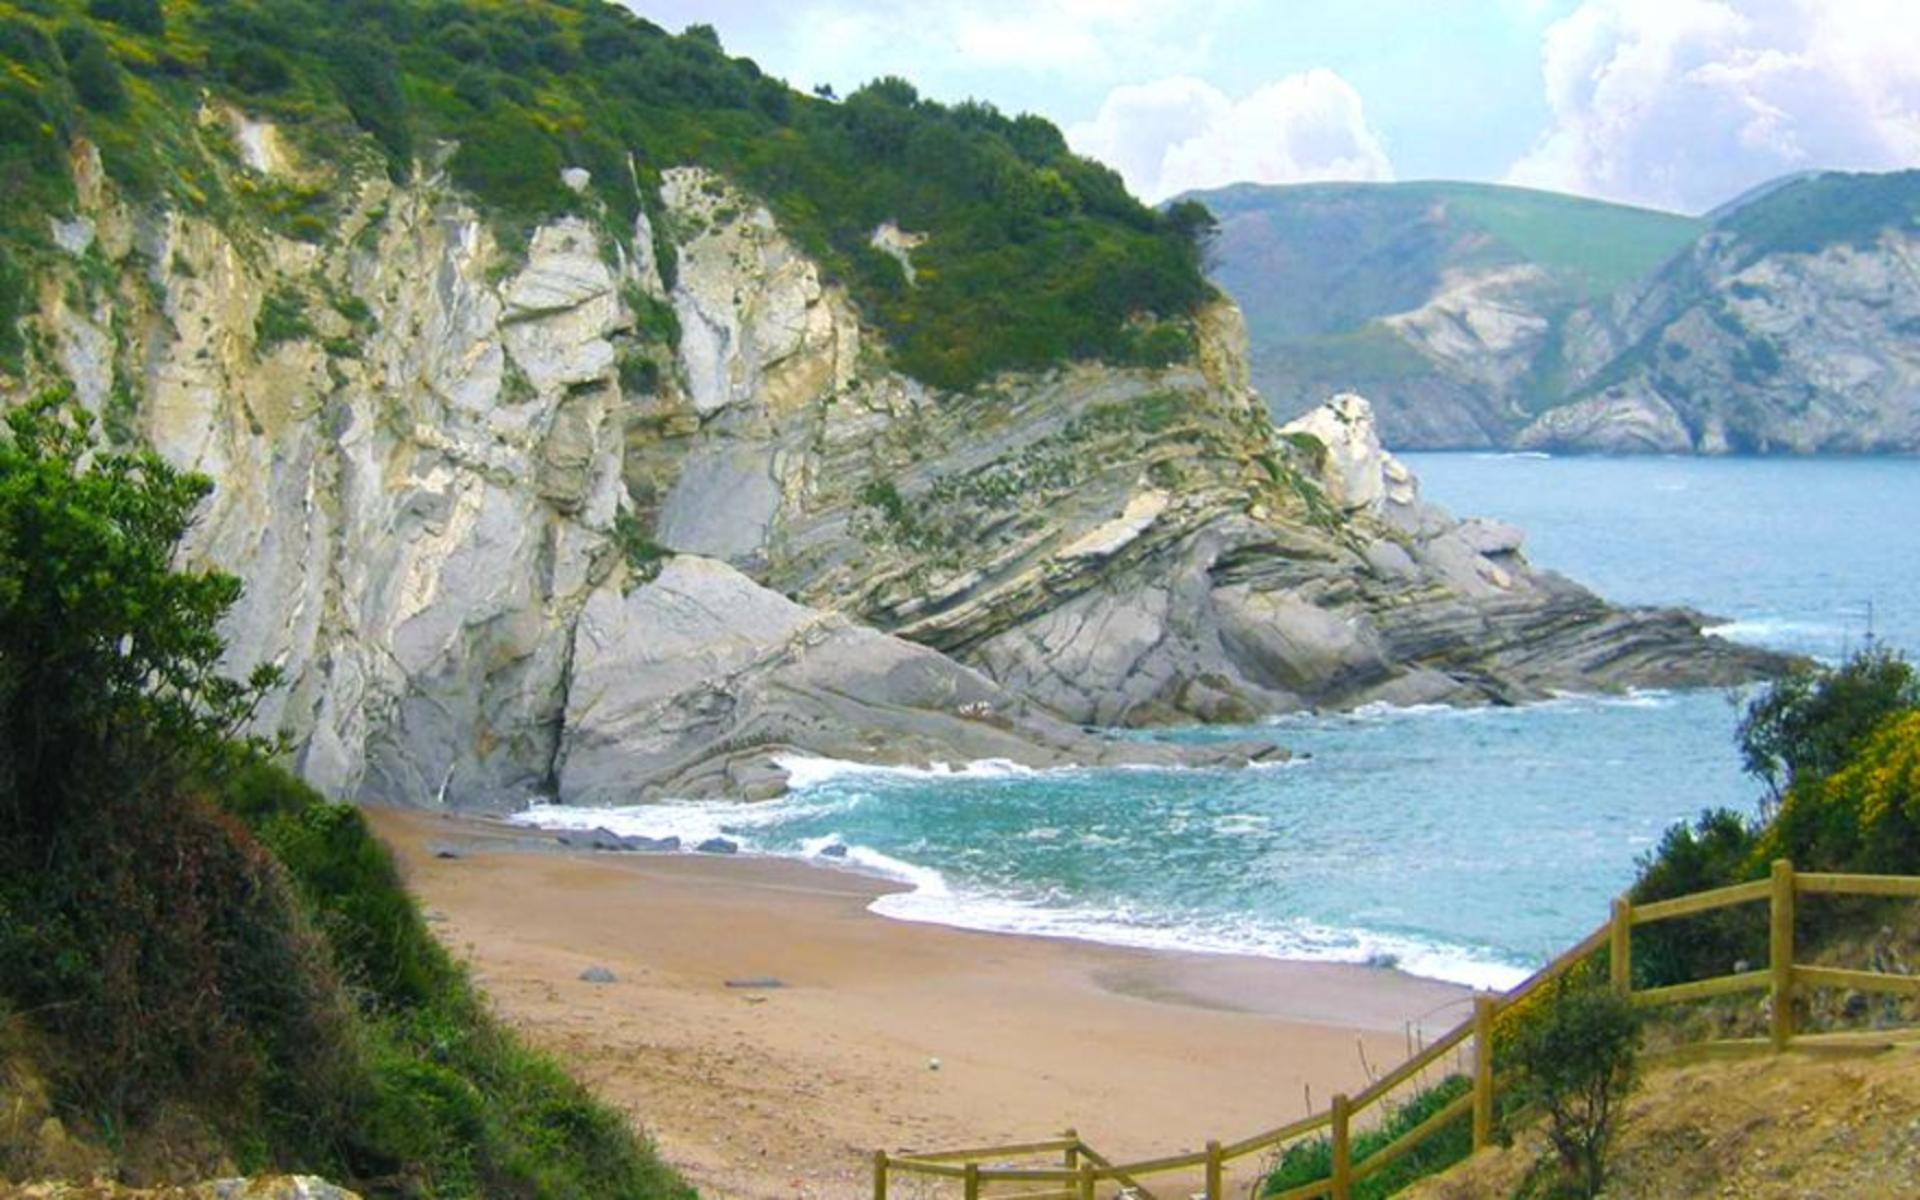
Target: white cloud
1684	103
1077	41
1180	133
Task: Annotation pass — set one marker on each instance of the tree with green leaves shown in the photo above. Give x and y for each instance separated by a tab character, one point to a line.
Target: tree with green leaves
93	69
107	651
1809	723
1577	1059
141	16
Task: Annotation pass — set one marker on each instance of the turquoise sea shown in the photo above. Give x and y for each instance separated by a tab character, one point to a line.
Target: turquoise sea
1460	844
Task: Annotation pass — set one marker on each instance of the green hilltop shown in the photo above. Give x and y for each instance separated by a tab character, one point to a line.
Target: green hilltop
1811	213
1034	255
1385	247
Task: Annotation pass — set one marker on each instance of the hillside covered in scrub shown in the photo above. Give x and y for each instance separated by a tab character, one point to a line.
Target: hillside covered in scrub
1040	254
592	418
1483	316
207	969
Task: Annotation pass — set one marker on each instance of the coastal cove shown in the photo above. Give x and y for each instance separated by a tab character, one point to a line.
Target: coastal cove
1372	847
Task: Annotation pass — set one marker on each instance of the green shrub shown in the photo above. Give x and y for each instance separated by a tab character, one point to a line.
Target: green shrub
101	642
14	305
92	69
369	84
1720	848
1304	1162
1798	737
1811	721
352	307
282	318
644	556
141	16
254	68
1576	1059
1863	817
199	938
655	319
639	374
448	1095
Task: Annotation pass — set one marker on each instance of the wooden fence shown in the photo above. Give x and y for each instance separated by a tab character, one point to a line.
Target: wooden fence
1082	1172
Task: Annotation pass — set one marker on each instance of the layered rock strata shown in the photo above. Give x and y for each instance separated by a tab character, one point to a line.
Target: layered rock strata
510	537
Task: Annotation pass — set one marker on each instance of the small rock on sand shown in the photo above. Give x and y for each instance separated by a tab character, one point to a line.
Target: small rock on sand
598	975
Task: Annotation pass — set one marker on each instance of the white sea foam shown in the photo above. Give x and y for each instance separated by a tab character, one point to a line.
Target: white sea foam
932	899
1776	630
1296	942
692	821
807	771
926	882
1586	701
1236	824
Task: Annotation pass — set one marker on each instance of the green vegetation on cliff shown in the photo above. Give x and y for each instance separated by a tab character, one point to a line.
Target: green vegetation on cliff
1033	255
1839	750
1830	208
201	960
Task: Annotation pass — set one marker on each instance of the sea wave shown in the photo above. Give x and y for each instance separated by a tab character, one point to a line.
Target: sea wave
806	772
931	898
809	771
692	821
1294	942
1771	631
1380	712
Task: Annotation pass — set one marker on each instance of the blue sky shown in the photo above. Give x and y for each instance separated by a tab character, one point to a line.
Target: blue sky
1672	103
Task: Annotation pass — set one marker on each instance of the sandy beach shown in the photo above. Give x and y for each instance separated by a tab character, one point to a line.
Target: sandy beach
763	1092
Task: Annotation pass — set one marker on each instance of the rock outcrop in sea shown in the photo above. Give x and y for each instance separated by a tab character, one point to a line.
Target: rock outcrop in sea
508	540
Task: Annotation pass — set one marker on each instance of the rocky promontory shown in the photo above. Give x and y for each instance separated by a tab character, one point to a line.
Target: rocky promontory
538	523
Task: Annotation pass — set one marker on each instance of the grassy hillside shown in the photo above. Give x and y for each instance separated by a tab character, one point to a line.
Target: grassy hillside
1811	213
1600	246
1034	255
1327	258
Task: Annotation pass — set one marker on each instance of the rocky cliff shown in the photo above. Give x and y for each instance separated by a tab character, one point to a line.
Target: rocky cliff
1788	321
1443	302
1794	326
530	522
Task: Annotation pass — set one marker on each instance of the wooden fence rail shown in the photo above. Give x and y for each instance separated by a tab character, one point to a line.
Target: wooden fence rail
1083	1170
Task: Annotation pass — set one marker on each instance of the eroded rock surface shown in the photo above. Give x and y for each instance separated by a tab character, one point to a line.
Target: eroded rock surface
509	540
696	683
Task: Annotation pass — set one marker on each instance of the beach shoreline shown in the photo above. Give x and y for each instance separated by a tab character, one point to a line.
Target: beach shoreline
770	1032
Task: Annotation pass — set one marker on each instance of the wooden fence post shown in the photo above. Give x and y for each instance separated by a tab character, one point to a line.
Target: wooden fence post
879	1175
1780	952
1215	1190
973	1181
1086	1181
1342	1149
1482	1070
1070	1158
1620	948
